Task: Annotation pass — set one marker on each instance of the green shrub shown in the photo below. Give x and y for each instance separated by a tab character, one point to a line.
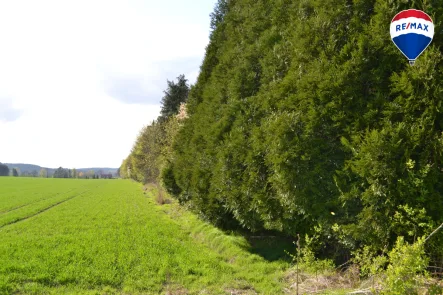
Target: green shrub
308	262
407	268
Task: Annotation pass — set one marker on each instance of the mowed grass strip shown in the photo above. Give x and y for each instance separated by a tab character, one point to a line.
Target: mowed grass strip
115	239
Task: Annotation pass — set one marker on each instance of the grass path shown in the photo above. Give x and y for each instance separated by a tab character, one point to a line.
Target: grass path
115	239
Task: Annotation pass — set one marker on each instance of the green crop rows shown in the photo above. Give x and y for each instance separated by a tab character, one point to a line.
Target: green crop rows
106	236
22	198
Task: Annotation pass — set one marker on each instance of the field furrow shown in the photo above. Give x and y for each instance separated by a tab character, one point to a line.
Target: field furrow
36	209
8	210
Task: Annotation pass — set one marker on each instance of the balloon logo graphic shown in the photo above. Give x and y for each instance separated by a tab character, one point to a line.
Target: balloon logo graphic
412	31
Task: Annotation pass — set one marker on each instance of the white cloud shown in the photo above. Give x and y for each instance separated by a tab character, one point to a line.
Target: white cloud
81	77
7	111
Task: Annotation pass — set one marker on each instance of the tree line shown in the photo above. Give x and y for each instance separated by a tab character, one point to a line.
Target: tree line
152	150
306	119
5	171
74	173
58	173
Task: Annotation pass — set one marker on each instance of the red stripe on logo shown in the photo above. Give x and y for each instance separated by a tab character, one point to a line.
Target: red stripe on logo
412	13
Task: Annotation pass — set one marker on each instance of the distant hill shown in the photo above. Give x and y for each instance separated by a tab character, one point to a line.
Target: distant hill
23	167
104	170
31	167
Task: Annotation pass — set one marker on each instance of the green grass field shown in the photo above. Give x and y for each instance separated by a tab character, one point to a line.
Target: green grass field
74	236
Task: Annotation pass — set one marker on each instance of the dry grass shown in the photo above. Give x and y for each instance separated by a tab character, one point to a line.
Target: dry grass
161	198
175	290
344	282
241	291
348	279
159	193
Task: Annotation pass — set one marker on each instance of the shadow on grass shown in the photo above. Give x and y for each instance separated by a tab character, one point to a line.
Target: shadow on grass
270	247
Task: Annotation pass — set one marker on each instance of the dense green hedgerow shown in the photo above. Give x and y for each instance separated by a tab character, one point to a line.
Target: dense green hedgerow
305	114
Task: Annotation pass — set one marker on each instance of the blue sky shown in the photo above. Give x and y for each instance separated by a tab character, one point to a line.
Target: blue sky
80	78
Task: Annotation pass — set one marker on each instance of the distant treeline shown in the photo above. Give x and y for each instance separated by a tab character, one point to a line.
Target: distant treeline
73	173
306	119
37	171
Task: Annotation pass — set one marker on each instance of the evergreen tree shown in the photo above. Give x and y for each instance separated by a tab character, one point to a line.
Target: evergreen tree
175	95
219	13
61	173
4	170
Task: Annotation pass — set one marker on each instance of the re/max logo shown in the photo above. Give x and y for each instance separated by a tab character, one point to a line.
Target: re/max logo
406	26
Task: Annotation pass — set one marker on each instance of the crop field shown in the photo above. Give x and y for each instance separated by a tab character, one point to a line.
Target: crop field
74	236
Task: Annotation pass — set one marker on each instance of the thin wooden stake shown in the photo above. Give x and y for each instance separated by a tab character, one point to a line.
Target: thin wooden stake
298	253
